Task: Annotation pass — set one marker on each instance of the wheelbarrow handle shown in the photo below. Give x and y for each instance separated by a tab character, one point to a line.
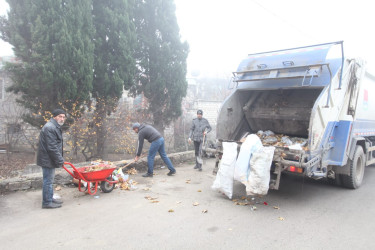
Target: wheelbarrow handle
67	170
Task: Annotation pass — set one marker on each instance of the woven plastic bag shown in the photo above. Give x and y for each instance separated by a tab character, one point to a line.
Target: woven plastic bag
259	177
224	177
242	168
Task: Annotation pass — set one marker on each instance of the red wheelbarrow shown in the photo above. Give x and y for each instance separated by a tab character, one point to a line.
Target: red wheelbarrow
104	176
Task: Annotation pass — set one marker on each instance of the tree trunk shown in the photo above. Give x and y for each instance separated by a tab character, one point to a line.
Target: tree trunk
158	122
101	132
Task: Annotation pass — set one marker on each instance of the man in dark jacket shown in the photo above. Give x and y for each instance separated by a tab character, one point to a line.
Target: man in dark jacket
157	145
199	128
50	155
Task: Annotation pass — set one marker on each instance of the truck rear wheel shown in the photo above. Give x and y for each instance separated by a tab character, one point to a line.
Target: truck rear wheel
357	170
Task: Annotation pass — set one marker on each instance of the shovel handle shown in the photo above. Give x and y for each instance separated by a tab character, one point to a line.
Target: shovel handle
132	162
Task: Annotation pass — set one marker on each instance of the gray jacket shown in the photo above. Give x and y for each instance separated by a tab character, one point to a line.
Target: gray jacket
197	128
50	150
147	132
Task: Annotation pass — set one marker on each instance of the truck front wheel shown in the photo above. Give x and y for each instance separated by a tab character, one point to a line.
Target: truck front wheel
357	170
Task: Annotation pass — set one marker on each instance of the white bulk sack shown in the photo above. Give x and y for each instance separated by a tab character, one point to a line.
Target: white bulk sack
242	168
259	178
224	177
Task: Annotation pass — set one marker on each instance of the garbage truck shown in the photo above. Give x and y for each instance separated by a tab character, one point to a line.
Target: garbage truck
313	93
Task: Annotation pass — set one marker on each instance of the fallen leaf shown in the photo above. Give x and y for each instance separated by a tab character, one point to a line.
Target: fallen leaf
58	188
281	218
154	201
243	198
199	190
146	189
132	171
265	203
195	204
170	210
205	211
150	198
235	200
178	202
276	207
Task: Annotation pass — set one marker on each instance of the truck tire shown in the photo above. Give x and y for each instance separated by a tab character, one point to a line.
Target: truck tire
356	168
335	182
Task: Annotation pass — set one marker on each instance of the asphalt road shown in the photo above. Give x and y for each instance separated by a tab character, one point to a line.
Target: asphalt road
311	215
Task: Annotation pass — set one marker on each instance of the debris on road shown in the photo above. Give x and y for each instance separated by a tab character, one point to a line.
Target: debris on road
150	198
132	171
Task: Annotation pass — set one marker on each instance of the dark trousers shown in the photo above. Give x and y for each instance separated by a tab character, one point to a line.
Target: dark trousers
198	150
47	190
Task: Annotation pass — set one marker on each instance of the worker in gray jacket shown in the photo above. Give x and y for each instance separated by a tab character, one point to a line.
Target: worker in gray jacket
199	128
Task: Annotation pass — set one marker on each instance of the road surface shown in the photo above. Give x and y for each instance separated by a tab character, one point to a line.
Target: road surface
183	212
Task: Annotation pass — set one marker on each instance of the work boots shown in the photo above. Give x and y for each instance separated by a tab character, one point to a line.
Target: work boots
51	205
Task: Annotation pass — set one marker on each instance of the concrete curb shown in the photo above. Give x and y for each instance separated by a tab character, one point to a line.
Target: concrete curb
31	177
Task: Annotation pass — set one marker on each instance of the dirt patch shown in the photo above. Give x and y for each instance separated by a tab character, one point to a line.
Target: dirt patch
12	163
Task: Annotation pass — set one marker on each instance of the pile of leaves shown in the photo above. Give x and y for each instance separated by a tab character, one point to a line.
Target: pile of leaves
99	165
269	138
125	182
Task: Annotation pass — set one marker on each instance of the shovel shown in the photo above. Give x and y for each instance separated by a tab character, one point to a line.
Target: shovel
120	169
199	157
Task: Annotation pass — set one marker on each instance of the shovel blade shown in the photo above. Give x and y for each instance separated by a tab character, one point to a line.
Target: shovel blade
199	160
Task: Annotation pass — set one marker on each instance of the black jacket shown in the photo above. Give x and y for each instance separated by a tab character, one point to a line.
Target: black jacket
50	150
146	132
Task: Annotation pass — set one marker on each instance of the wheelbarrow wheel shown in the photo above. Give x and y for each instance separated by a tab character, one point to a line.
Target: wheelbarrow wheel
107	187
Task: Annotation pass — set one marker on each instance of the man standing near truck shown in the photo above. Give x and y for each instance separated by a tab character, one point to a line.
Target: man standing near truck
153	136
199	128
50	155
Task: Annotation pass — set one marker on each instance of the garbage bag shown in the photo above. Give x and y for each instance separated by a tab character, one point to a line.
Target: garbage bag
286	141
268	133
224	177
270	140
242	167
259	177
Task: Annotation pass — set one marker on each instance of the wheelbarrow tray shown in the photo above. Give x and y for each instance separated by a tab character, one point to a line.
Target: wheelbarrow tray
99	175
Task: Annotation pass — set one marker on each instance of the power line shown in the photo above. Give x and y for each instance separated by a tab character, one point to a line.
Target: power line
284	20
